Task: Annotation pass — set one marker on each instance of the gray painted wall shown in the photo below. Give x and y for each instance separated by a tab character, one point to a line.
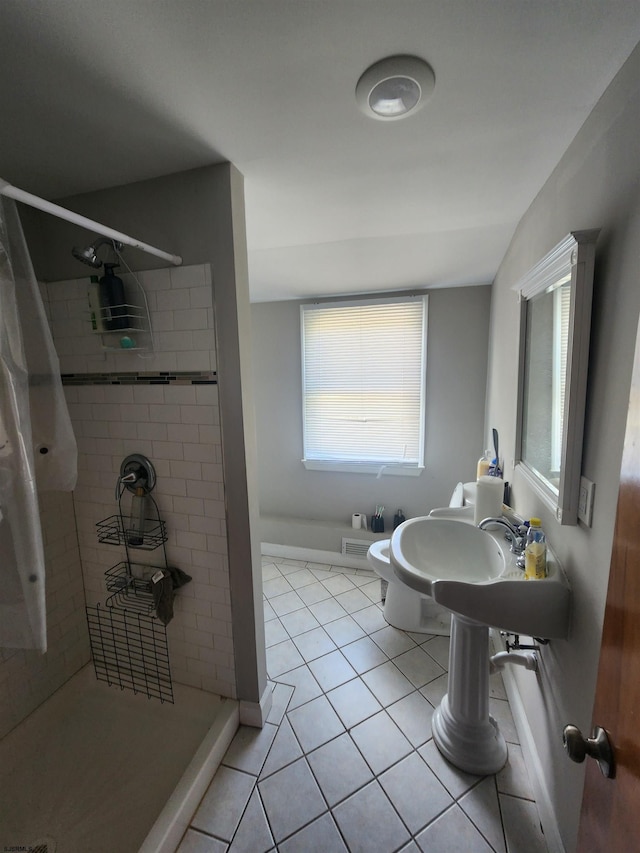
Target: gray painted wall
456	383
595	185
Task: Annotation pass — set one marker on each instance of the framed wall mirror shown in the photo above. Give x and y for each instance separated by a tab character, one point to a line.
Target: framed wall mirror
555	325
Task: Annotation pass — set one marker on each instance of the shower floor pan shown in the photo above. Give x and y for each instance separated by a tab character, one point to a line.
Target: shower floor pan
99	769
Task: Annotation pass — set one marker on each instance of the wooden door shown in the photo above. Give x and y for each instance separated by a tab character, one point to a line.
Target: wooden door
610	818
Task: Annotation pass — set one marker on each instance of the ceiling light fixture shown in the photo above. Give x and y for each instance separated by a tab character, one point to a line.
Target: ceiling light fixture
395	87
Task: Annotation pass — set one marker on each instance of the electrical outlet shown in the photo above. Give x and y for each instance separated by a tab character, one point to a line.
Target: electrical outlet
585	501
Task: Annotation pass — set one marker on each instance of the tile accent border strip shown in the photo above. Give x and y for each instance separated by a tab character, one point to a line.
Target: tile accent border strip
194	377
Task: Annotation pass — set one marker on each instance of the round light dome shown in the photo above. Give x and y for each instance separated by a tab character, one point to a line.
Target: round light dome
395	87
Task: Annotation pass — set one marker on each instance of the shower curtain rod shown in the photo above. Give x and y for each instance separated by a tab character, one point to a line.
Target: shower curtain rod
55	209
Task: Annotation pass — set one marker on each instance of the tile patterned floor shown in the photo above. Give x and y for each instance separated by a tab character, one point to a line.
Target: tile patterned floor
346	761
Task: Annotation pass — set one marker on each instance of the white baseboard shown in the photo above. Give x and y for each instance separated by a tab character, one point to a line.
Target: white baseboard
311	555
256	713
532	760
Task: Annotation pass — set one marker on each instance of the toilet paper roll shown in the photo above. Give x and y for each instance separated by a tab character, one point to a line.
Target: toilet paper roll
489	498
356	521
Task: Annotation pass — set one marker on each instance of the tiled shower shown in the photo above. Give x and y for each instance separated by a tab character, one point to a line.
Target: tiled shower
163	404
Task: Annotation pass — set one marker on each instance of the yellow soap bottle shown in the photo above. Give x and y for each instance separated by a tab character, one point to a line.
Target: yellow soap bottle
484	463
535	552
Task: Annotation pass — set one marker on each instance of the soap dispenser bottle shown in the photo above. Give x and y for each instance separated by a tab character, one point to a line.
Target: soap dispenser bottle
535	552
112	299
484	463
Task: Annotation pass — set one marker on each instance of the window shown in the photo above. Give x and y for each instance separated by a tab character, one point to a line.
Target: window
363	385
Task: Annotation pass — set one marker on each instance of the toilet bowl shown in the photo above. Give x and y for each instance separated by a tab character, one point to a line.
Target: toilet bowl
404	608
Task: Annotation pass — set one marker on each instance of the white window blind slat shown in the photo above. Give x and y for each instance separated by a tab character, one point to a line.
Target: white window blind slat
363	381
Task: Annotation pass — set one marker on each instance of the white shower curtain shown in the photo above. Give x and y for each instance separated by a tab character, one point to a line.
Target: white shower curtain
37	445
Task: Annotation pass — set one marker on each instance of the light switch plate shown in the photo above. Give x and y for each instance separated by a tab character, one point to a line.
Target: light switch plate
585	501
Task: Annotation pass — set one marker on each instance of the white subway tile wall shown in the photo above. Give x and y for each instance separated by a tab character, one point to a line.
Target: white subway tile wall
181	311
178	427
28	678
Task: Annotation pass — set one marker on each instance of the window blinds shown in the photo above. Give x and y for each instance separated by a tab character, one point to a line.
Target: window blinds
364	381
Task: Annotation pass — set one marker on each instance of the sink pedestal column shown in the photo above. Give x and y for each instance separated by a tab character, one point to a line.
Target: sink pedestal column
463	730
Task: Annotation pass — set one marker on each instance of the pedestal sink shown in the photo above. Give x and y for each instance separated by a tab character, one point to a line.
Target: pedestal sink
472	573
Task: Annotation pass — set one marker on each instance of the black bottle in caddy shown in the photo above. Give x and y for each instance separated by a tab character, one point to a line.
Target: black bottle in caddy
112	300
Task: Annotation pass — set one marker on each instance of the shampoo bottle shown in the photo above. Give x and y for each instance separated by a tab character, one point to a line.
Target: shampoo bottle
535	552
112	299
97	324
135	532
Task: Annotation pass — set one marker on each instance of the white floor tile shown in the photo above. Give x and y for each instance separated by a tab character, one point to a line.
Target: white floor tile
344	631
222	806
521	825
332	670
314	644
314	593
339	768
457	782
291	799
481	805
196	842
283	657
370	619
327	717
353	600
392	641
284	750
338	583
327	611
452	831
253	835
380	741
281	696
315	723
249	748
274	632
387	683
419	667
369	823
354	702
321	836
301	578
277	586
415	792
412	714
286	603
304	684
514	777
364	654
299	621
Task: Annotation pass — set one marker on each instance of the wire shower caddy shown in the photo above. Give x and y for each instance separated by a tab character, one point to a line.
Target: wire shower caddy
128	642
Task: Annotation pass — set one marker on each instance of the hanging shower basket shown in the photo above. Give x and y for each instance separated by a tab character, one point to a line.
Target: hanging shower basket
128	640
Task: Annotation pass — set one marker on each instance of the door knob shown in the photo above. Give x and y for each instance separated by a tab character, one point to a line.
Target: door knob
597	746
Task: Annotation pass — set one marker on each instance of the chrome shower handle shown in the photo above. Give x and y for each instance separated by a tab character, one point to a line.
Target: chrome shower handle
122	481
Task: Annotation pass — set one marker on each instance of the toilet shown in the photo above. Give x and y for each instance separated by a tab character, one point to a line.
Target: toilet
405	608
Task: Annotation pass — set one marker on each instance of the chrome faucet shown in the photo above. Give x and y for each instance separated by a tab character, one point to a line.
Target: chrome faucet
518	540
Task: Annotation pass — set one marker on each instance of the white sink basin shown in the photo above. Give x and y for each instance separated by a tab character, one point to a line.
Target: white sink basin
472	572
428	549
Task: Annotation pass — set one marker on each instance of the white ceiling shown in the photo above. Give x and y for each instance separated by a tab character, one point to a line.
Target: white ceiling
97	93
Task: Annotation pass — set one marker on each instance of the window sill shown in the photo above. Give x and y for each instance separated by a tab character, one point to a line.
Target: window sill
363	468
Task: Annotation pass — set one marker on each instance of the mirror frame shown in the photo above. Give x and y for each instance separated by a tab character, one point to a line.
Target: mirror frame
575	256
